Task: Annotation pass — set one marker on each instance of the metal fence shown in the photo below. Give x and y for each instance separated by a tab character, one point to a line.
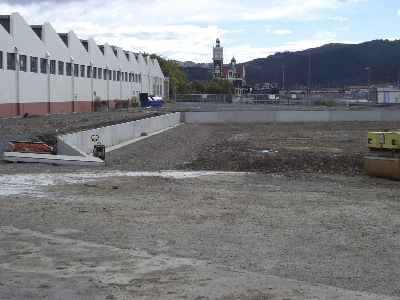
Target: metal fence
332	99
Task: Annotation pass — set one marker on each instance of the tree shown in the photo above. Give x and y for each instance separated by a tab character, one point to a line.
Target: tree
178	82
198	87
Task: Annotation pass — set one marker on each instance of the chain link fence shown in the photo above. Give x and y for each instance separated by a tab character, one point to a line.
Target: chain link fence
333	99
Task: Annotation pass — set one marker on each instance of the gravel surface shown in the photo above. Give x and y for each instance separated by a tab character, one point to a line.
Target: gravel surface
257	211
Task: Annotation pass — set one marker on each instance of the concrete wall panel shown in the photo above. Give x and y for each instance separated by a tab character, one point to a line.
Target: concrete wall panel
115	134
289	116
302	116
390	115
201	117
355	115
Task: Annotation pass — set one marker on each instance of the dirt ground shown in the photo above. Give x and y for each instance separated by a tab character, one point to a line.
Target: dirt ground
223	211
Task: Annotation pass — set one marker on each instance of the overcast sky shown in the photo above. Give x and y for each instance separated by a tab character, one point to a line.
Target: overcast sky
186	30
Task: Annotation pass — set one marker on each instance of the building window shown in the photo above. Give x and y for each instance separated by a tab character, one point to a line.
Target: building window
110	75
114	75
126	76
10	61
83	71
88	72
60	68
119	76
76	70
99	72
1	59
43	63
105	74
22	63
68	69
34	64
53	67
94	72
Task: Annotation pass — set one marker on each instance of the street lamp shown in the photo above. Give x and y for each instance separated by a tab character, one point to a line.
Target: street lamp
309	71
369	81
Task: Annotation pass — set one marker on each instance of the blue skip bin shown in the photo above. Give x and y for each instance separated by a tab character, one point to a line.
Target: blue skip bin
152	101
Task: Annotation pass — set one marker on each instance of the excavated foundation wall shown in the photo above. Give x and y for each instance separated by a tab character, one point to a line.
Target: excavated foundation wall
81	143
290	116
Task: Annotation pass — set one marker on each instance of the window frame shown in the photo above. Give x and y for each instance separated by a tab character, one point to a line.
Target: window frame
33	64
23	63
82	71
60	65
52	67
68	69
43	65
76	70
10	61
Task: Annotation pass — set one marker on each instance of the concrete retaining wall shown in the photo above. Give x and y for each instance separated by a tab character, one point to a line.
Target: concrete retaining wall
81	143
289	116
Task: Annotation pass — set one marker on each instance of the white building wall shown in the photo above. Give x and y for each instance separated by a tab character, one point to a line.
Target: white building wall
157	78
99	62
113	66
388	95
144	73
34	92
81	59
135	70
60	85
33	86
124	75
7	78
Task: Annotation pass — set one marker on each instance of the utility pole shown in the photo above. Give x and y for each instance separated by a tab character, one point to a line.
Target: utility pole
309	72
283	77
398	78
369	81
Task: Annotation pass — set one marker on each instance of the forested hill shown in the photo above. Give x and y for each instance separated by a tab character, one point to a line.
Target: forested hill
332	64
329	65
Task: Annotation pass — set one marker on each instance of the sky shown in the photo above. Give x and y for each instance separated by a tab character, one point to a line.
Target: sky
186	30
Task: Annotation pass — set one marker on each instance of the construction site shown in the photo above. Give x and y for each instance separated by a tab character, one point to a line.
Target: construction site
221	203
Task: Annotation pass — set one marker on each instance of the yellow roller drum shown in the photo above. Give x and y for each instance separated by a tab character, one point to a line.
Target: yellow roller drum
383	140
383	167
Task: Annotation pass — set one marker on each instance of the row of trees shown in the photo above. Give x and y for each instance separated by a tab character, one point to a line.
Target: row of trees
179	84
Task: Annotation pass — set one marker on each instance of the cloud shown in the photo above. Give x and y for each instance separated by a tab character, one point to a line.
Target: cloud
28	2
282	31
337	18
187	29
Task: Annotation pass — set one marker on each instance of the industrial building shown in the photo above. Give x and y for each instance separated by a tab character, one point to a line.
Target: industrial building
388	95
42	71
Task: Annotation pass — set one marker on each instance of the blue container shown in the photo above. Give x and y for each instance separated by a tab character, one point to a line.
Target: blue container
145	103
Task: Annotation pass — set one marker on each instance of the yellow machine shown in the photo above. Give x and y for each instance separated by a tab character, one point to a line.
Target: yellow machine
383	159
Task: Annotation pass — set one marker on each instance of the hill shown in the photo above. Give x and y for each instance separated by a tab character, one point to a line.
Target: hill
329	65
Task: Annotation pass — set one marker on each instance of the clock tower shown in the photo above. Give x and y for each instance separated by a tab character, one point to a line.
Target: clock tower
218	58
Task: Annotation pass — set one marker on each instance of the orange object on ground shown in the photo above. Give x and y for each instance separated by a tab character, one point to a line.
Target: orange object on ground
37	147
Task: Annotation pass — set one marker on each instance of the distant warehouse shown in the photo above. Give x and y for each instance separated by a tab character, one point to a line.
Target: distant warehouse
42	71
388	95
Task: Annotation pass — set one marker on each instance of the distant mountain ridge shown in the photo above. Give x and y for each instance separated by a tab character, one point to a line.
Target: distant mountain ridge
377	62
